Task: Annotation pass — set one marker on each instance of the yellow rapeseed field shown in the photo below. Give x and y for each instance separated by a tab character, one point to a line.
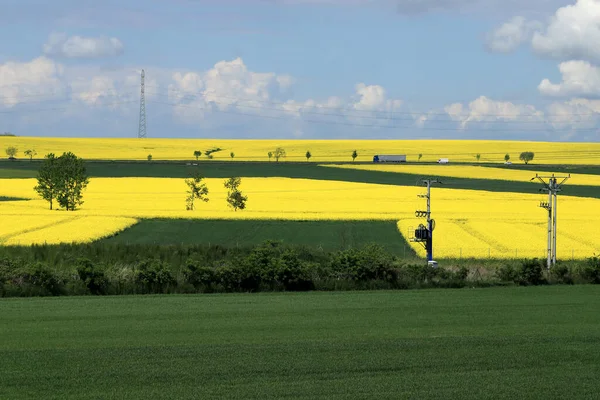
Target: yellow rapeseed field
321	150
469	171
469	222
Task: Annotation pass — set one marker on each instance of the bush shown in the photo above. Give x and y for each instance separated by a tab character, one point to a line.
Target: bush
561	274
508	273
92	276
203	279
532	272
590	271
154	276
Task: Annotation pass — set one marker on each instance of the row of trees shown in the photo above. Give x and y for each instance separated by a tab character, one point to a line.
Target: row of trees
197	190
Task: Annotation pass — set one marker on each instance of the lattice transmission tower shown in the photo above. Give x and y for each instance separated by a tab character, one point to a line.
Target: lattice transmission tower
142	124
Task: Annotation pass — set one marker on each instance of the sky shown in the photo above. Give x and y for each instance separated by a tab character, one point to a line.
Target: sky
302	69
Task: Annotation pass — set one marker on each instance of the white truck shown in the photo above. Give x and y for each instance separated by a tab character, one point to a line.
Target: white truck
389	158
443	161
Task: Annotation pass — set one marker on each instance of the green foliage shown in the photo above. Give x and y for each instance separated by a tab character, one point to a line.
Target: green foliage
154	276
72	180
197	154
506	157
308	156
478	157
30	153
92	276
48	178
279	153
420	156
235	198
196	190
232	155
149	157
11	151
529	272
590	271
354	155
561	274
526	156
270	154
7	134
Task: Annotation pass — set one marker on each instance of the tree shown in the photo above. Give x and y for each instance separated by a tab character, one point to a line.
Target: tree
420	156
11	151
72	180
149	157
232	154
526	156
279	152
47	179
30	154
354	155
506	157
270	154
308	155
196	190
197	154
478	157
235	198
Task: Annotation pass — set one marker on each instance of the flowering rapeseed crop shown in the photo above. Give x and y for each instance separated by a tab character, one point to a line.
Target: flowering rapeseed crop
469	171
321	150
469	222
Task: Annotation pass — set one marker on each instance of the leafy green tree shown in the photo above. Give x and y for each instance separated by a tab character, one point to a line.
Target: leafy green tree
149	157
235	198
270	154
197	154
526	156
506	157
196	190
48	178
279	153
232	154
420	156
11	151
72	180
354	155
30	154
478	157
308	156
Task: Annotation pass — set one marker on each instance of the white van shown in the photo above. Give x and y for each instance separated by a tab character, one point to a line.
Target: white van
443	161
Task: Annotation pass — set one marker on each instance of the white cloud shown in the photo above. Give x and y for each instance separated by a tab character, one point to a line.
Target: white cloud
579	79
22	81
61	45
485	110
573	33
511	34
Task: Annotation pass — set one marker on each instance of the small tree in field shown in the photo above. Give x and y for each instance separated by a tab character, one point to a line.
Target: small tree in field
196	190
30	154
235	198
48	179
11	151
232	154
279	153
526	156
197	154
308	156
149	157
478	157
72	180
354	155
270	154
420	156
506	157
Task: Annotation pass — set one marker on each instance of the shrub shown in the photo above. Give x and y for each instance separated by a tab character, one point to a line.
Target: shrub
204	279
532	272
92	276
154	276
590	271
508	273
561	274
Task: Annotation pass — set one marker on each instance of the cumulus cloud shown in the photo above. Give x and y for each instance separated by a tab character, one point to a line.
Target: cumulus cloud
510	35
22	81
61	45
579	79
484	109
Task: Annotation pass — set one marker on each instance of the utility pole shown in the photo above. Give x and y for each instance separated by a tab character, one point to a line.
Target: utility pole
142	123
424	234
552	186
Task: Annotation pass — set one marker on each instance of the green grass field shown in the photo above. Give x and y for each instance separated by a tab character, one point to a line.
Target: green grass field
215	169
525	343
325	235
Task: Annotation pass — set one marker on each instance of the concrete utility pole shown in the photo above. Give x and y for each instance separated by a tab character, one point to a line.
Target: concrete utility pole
553	187
425	233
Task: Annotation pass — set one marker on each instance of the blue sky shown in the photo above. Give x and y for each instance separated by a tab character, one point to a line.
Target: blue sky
302	68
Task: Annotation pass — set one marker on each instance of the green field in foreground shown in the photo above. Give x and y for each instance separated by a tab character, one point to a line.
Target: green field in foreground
539	342
325	235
